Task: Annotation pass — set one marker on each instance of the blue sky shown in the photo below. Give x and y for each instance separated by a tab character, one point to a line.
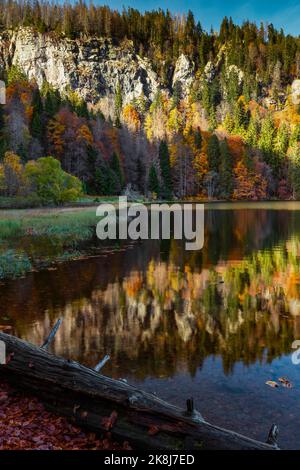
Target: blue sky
282	13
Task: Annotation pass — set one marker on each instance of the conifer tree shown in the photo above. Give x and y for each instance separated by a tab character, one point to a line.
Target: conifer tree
226	171
153	183
213	153
37	115
115	166
240	117
252	133
198	139
164	161
265	142
294	171
118	101
228	123
104	181
52	100
281	140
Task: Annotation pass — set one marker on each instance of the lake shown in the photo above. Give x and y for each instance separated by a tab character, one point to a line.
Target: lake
214	324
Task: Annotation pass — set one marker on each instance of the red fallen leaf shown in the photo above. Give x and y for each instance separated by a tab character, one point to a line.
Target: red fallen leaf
153	430
285	382
3	397
83	414
31	365
24	425
108	422
126	446
37	439
272	384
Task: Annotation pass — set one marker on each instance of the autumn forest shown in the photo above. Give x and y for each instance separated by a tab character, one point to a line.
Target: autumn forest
231	131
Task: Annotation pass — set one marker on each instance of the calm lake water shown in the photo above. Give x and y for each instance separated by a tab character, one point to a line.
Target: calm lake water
214	325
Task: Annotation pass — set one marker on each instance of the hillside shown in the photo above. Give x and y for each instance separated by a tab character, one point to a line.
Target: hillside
150	100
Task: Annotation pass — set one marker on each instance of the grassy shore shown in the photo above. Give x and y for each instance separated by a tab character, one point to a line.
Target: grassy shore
33	237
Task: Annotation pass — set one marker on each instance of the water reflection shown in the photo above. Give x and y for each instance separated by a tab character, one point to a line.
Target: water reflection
163	313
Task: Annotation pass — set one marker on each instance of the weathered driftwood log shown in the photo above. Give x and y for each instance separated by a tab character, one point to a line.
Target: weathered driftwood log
100	403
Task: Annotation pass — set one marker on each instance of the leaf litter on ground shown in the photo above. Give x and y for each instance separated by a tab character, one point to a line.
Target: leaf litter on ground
25	425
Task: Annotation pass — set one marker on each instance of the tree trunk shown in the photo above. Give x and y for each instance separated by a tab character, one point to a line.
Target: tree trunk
103	404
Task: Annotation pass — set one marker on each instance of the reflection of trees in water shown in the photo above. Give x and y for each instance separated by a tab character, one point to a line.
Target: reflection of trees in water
156	314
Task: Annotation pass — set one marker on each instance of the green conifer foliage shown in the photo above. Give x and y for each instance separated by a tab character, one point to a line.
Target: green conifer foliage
226	173
164	161
153	182
116	167
213	153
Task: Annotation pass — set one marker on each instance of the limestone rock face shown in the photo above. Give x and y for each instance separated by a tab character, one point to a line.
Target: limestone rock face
184	74
209	72
238	72
296	92
93	66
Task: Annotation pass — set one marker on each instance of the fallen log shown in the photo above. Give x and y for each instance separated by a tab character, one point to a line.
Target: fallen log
103	404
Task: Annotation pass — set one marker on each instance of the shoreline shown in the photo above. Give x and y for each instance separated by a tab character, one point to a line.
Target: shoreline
85	207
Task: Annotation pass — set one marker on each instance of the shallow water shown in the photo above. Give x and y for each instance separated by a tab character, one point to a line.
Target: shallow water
214	325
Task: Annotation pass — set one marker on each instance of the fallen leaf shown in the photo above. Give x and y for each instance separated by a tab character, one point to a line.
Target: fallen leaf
153	430
25	425
3	397
108	422
285	382
272	384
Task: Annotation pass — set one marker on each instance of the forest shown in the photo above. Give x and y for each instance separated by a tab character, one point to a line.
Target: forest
234	135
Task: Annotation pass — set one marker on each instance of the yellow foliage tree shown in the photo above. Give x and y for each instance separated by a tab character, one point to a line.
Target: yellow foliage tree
131	118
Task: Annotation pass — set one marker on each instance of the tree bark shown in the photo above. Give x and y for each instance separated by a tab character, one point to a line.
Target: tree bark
103	404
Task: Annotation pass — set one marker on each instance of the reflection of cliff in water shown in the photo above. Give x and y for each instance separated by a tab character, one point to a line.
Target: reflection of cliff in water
157	309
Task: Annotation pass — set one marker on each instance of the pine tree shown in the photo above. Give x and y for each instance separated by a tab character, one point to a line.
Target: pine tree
295	135
240	117
153	183
213	124
294	171
213	153
37	115
103	181
52	100
198	139
115	166
228	123
252	133
164	161
265	142
176	94
281	141
118	101
226	167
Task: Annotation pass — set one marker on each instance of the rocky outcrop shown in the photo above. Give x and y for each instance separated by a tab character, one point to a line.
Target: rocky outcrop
210	72
296	92
184	74
93	66
234	70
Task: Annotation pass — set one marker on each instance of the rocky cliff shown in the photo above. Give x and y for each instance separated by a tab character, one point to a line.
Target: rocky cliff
93	67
